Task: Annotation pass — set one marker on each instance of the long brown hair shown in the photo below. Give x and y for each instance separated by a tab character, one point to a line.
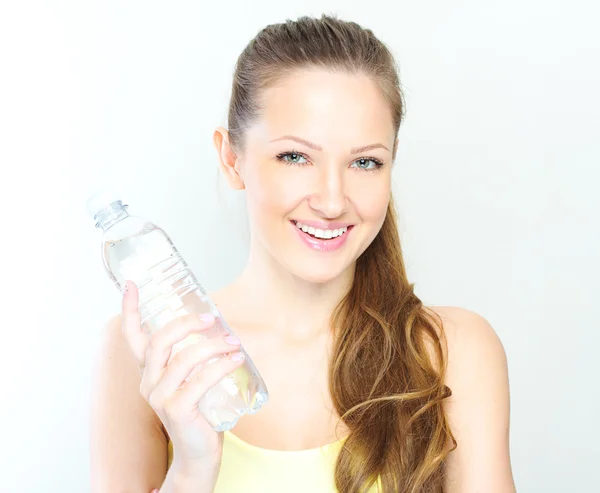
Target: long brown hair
386	374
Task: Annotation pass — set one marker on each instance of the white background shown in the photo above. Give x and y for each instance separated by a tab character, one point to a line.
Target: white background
496	181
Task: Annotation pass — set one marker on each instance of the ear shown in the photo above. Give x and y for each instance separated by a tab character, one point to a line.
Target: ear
228	161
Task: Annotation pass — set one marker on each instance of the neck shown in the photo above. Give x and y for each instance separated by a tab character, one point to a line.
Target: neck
295	309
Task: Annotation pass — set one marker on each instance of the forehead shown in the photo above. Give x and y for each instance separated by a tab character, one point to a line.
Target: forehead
328	108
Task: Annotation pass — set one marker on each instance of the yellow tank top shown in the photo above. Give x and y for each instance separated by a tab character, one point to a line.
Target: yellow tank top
252	469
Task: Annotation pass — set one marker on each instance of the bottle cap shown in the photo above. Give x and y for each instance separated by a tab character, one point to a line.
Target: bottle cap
101	200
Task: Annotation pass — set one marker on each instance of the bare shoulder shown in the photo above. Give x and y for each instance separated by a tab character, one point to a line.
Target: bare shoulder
466	330
473	346
478	409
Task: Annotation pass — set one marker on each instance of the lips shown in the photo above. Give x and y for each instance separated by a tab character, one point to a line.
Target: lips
331	244
322	224
321	232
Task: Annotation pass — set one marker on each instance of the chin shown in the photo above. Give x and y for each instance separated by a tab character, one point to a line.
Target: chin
317	278
319	273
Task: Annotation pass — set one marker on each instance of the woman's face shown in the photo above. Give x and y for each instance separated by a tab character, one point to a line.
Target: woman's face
315	200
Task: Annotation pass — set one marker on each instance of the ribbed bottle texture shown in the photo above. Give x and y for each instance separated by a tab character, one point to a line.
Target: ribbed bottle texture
137	250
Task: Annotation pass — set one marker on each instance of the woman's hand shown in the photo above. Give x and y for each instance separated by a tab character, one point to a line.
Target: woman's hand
172	390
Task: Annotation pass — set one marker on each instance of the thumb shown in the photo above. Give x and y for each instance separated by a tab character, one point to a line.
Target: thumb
131	328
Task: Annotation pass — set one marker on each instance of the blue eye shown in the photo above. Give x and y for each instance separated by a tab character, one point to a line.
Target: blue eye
293	155
367	163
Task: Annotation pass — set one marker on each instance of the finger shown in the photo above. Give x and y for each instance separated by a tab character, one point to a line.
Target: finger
178	329
189	359
161	343
186	399
131	328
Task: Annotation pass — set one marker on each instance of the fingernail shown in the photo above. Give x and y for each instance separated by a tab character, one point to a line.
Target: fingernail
206	317
125	289
237	356
232	340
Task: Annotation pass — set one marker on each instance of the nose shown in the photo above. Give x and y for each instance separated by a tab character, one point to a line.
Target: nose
329	199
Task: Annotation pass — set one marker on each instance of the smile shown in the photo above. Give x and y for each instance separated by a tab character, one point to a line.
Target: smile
324	234
321	239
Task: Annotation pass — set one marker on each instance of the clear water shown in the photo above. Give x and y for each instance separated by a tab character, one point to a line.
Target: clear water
169	289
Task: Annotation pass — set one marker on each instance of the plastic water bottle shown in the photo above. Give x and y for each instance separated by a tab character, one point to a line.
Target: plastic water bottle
136	249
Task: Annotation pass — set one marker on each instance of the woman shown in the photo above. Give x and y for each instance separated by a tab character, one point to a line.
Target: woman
369	390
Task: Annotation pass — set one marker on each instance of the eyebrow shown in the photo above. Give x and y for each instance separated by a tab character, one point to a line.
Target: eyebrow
354	150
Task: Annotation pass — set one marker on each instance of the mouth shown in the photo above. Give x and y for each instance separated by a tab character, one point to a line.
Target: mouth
322	234
322	240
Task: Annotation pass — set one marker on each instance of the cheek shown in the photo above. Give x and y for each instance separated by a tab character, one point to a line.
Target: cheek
270	193
371	195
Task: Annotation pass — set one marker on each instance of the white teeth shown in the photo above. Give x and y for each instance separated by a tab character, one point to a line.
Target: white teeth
325	234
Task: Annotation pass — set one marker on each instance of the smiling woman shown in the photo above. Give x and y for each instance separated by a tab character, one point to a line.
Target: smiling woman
369	389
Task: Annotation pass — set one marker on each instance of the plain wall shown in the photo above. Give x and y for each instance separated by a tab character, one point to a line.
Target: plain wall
496	182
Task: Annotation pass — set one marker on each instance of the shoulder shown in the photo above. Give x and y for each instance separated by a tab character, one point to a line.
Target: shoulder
478	408
466	330
472	345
